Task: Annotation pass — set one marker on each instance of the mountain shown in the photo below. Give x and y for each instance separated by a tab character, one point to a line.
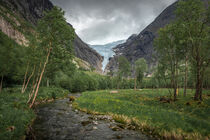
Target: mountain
106	50
30	11
141	45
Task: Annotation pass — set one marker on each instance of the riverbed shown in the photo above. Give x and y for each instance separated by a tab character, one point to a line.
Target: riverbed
60	121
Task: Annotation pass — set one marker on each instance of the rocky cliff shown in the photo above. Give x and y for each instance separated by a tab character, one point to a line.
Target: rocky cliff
84	52
31	11
141	45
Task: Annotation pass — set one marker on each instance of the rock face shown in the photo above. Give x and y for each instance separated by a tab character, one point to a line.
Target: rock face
141	45
32	10
10	31
84	52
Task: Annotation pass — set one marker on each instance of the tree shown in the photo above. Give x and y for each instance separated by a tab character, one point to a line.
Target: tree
194	20
59	61
169	52
54	34
5	55
140	69
31	60
9	58
124	66
124	69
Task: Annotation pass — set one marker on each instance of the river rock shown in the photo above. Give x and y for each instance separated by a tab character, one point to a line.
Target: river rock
95	128
84	123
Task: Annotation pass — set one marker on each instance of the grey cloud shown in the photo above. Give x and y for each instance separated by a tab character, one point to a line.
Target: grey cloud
102	21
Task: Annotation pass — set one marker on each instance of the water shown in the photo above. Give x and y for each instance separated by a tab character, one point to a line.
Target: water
59	121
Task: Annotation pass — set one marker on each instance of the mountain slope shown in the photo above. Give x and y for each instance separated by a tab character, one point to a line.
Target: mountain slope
84	52
141	45
31	11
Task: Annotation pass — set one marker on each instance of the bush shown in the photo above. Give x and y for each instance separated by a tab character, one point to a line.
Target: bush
15	114
82	81
79	83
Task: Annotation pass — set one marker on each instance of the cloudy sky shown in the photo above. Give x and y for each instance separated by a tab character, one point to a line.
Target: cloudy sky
104	21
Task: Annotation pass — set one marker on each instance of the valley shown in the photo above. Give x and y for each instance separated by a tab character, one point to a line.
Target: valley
98	69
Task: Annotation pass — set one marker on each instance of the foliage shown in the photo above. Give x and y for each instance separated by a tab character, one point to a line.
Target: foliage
53	39
15	115
124	69
185	118
169	53
185	38
82	81
56	36
140	69
10	58
194	21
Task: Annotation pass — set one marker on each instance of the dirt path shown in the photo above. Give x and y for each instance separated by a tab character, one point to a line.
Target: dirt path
59	121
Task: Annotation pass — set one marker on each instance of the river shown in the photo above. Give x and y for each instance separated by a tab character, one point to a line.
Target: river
60	121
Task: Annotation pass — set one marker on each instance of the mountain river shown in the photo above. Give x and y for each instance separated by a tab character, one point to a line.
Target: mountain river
58	120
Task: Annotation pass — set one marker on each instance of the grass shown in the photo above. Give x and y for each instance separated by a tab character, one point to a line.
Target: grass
15	115
183	119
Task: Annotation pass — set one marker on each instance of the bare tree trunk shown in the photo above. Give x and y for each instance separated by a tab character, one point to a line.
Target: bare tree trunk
201	87
26	85
25	78
30	97
135	83
175	80
198	77
1	85
197	91
48	83
31	92
185	77
34	85
200	93
40	78
175	89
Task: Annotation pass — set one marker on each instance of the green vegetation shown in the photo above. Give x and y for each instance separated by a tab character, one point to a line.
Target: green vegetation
140	69
55	38
10	61
82	81
124	70
185	40
15	115
124	67
15	20
49	51
153	111
45	68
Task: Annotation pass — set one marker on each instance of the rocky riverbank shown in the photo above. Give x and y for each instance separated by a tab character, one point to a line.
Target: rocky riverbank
59	120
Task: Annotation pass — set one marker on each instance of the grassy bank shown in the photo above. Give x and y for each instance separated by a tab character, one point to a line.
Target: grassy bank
15	115
183	119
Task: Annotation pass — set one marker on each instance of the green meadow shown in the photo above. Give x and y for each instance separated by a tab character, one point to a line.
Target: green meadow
153	112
